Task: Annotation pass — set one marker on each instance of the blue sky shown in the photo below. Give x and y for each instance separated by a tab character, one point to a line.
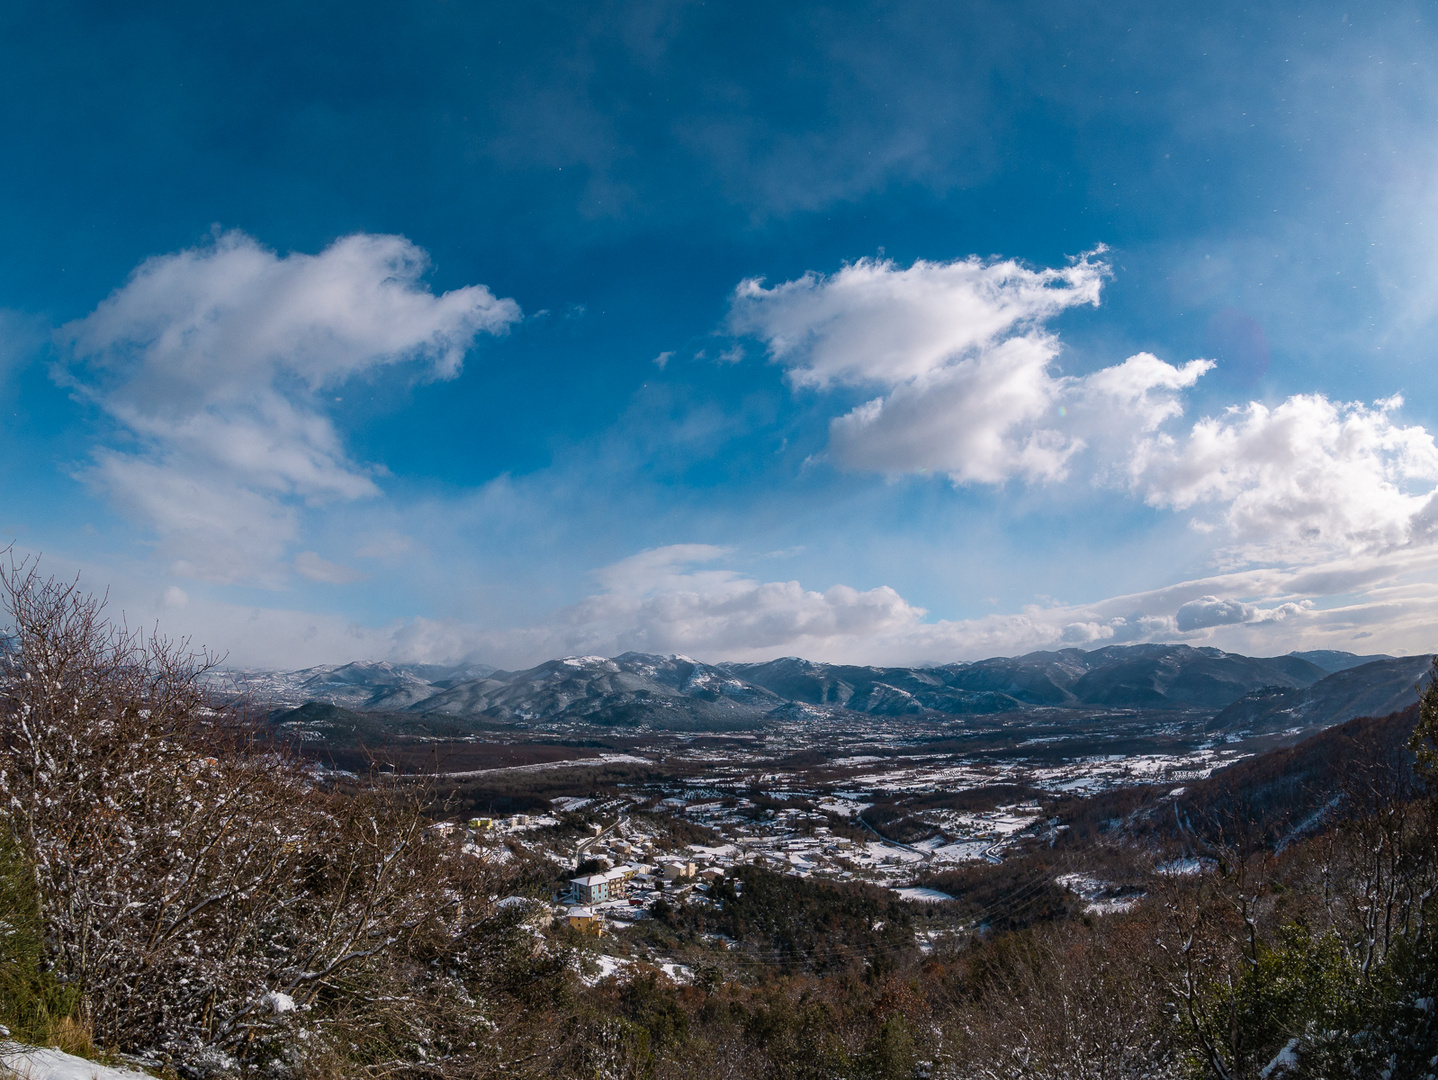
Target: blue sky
895	332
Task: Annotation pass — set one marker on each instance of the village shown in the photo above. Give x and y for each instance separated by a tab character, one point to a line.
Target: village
612	875
624	859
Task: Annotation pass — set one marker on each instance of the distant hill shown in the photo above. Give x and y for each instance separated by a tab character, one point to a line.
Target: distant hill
878	691
1170	676
1331	660
1376	688
1268	800
365	684
1281	795
672	692
679	693
1118	676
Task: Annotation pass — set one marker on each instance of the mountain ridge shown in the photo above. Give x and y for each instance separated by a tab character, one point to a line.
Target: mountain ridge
675	692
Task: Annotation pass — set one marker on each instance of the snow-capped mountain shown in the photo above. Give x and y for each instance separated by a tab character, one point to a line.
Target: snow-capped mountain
681	693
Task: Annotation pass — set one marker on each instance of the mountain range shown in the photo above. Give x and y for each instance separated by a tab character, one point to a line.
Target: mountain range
680	693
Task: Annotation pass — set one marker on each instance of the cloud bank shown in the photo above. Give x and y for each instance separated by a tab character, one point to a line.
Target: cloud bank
677	600
214	362
970	390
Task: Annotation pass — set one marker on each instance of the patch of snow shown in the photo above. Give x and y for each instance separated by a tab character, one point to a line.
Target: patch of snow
278	1002
568	763
608	965
37	1063
1095	893
843	807
923	896
1109	907
1180	867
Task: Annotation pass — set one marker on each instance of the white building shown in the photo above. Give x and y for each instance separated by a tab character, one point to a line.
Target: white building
598	888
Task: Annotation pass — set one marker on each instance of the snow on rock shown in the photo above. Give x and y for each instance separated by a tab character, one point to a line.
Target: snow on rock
38	1063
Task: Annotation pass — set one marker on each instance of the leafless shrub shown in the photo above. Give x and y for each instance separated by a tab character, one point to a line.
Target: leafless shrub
1074	1002
207	897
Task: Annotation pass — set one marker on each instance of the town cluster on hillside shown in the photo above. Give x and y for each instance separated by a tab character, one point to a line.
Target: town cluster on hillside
609	876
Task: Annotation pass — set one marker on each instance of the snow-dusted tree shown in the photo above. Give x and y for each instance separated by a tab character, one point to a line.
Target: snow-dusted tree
1424	743
197	887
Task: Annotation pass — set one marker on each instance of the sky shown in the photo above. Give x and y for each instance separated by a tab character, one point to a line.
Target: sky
898	333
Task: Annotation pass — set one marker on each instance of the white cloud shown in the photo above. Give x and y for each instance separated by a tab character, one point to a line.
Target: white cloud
1143	390
1306	478
974	420
657	601
966	369
675	599
969	390
873	323
212	527
1211	611
678	600
215	358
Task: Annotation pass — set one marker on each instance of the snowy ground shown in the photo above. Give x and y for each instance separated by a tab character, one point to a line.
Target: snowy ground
923	896
1099	896
615	965
34	1063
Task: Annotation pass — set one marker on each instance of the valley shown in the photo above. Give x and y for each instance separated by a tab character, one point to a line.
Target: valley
884	776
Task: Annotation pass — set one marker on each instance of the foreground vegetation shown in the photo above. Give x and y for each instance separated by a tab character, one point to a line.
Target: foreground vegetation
175	886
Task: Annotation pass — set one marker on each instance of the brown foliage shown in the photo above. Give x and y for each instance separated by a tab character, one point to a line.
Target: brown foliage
197	886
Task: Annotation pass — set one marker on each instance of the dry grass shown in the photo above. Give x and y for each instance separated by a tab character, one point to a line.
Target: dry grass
74	1037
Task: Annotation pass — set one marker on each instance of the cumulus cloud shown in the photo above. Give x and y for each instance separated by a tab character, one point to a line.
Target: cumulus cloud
682	599
969	386
974	421
1307	477
874	323
215	360
1211	611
